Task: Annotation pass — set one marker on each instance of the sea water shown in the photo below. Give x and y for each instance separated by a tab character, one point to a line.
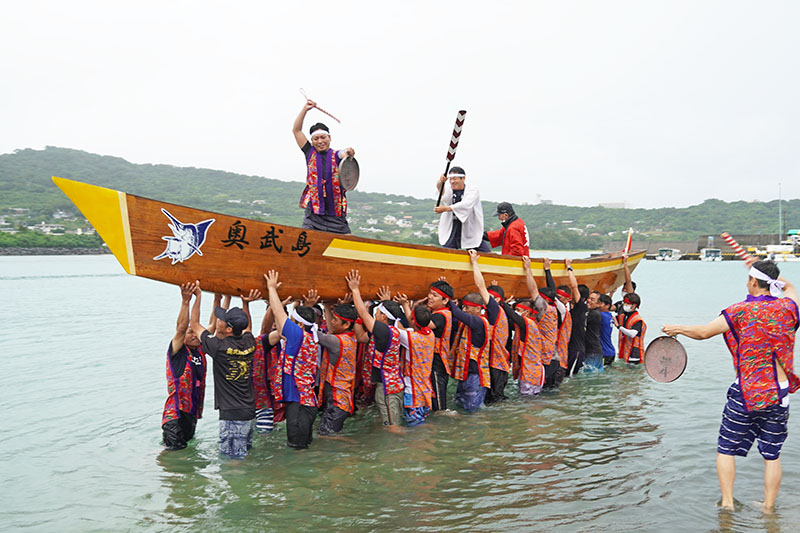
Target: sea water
83	350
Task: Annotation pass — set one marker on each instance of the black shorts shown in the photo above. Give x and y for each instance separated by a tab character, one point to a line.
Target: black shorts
177	433
299	424
333	417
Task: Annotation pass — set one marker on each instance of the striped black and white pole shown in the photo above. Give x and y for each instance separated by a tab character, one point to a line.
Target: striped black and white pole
451	150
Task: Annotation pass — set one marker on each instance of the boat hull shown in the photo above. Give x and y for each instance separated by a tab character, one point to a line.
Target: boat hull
176	244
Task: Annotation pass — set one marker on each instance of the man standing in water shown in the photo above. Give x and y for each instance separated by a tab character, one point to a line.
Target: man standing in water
232	352
760	334
461	221
186	380
324	197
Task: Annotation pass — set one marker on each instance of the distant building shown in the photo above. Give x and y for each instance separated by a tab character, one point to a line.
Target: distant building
613	205
389	219
371	230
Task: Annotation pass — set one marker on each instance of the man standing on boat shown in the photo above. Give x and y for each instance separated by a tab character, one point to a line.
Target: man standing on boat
513	236
323	198
461	221
760	334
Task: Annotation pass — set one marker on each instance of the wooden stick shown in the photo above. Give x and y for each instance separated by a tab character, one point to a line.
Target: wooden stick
318	107
629	242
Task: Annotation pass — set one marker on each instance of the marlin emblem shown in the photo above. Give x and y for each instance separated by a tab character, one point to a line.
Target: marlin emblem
186	239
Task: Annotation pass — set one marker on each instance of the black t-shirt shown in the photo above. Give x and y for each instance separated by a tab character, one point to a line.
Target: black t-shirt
382	335
233	384
577	342
177	360
438	324
594	322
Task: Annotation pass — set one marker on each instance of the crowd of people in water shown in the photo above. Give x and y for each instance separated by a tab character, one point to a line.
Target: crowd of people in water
324	361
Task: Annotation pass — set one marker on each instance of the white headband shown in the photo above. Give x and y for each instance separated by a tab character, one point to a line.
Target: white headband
314	326
318	131
456	175
389	315
775	286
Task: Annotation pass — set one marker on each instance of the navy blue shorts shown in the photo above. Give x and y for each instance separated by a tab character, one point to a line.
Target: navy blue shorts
740	427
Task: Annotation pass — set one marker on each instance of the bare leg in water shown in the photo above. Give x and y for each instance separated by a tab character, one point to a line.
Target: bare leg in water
726	472
772	482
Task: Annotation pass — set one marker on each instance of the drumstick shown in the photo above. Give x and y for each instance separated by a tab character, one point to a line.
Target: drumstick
318	107
736	247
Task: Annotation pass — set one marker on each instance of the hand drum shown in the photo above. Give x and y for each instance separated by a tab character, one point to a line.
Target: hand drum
665	359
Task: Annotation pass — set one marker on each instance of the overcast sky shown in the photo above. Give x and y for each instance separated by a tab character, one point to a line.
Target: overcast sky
654	103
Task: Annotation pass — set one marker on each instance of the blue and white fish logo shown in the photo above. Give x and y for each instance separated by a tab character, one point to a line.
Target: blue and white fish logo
186	239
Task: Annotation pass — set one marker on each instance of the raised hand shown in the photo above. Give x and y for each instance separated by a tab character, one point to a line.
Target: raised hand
384	293
353	279
547	263
187	289
401	298
568	262
347	299
252	296
311	298
473	257
272	279
526	262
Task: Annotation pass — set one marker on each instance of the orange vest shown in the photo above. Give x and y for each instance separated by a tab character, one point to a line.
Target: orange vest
342	374
464	351
417	367
531	369
442	346
548	327
498	354
562	343
626	344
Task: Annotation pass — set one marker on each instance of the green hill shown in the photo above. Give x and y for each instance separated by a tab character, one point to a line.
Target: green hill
28	196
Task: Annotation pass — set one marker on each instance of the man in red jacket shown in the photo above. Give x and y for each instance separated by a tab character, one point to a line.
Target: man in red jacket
513	235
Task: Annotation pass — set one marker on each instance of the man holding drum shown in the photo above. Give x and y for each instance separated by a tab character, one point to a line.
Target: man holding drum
323	198
760	334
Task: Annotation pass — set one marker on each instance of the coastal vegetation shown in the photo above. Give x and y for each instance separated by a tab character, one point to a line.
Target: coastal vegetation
28	198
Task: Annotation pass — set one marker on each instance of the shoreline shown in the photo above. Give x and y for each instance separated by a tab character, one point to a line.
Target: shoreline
52	250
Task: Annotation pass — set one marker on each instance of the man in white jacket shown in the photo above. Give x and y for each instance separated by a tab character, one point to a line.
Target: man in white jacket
461	221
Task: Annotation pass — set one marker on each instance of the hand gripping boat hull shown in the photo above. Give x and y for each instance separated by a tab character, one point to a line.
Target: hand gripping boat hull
177	244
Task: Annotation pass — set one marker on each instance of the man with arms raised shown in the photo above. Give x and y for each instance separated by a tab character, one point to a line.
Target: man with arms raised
298	365
386	362
186	380
760	334
232	351
323	198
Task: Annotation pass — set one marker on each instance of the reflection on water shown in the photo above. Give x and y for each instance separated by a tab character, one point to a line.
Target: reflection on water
83	387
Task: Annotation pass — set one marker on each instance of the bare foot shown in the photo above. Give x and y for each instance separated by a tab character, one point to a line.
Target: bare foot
447	412
395	429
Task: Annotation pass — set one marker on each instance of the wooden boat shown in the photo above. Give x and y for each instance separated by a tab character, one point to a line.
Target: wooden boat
176	244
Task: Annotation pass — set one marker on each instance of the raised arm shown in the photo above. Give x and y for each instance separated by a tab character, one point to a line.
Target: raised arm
573	282
274	300
353	279
187	289
789	291
194	317
402	299
628	287
529	281
297	127
254	294
218	302
548	276
715	327
477	276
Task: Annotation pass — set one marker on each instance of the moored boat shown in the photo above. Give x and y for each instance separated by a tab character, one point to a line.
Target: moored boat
668	254
176	244
710	254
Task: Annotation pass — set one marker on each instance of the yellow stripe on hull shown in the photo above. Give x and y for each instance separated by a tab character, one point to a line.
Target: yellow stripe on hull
400	255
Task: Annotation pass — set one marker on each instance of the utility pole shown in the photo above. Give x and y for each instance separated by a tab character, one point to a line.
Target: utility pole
780	215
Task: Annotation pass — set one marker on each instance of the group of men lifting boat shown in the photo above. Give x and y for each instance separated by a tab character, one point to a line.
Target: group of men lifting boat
401	355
